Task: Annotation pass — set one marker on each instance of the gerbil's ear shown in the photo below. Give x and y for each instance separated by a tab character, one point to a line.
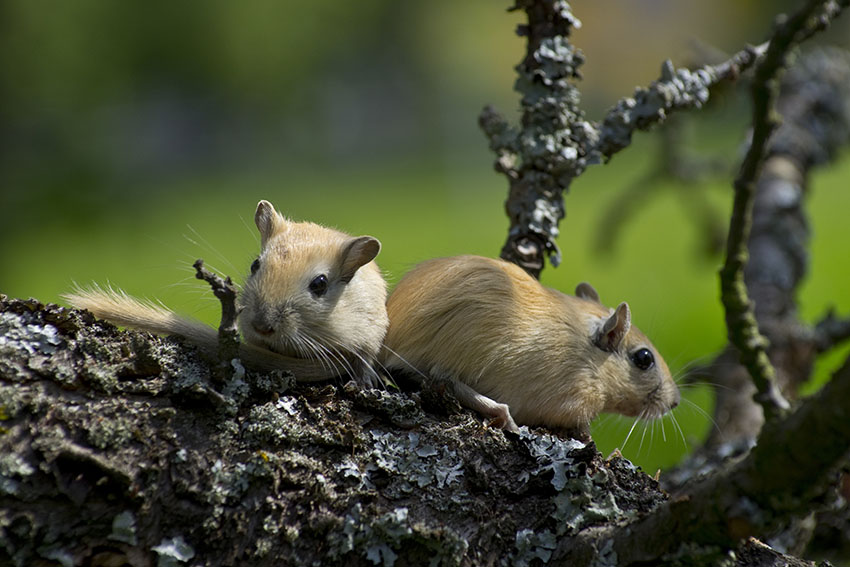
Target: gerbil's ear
614	330
586	291
358	252
267	220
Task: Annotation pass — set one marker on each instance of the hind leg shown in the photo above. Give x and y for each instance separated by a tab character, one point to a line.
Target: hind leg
499	414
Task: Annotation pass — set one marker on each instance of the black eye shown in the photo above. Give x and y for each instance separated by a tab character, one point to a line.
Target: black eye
643	358
319	285
255	265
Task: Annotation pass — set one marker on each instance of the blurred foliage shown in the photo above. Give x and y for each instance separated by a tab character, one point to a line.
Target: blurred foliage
135	138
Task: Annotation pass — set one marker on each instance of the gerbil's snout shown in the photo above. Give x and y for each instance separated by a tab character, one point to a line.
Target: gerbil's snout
677	397
262	326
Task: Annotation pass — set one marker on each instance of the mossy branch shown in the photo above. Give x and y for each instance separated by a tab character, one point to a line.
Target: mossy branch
740	312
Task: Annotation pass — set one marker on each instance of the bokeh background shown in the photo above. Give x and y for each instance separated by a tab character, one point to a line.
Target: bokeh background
137	137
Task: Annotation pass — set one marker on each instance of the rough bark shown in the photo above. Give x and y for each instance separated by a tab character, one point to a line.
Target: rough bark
119	448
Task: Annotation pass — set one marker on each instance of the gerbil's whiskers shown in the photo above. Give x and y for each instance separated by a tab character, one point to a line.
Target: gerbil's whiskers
642	437
250	230
679	428
714	385
703	413
332	355
306	349
385	378
632	428
367	366
401	358
211	248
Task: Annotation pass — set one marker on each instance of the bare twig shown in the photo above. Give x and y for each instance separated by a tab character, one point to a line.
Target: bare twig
225	291
741	321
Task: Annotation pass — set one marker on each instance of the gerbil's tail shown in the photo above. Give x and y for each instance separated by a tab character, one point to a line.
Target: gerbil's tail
117	307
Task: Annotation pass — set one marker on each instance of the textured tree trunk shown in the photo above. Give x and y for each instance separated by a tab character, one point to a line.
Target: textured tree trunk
121	448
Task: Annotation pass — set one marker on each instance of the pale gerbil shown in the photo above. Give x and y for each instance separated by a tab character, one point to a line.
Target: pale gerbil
314	298
513	349
315	292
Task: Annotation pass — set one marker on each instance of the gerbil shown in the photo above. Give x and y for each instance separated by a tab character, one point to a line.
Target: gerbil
314	303
520	352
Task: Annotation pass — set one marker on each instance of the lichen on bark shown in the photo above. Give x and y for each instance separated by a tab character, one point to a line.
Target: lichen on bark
120	446
555	143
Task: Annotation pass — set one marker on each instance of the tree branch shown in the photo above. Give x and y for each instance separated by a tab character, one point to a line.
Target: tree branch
225	291
740	312
555	142
676	89
814	103
542	158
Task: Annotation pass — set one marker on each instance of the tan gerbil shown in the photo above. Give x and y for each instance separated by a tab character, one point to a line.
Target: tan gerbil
520	352
314	303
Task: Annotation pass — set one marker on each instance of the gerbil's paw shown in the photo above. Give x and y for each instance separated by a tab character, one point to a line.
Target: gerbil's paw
368	379
501	418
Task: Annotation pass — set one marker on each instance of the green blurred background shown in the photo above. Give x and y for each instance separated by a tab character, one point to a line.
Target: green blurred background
139	137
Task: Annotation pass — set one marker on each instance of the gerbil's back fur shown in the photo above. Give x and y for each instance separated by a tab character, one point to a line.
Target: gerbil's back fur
314	303
554	359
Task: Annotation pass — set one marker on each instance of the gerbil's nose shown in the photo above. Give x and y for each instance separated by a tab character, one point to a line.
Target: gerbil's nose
262	326
676	398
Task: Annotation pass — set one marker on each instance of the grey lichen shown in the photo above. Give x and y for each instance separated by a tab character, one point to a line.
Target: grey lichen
106	433
61	556
173	552
284	423
274	382
676	89
379	539
531	545
400	410
22	332
551	453
124	528
229	482
249	476
416	464
556	143
583	497
606	556
13	469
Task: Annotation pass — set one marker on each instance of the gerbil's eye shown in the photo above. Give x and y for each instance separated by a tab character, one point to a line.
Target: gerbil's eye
643	358
319	285
255	265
